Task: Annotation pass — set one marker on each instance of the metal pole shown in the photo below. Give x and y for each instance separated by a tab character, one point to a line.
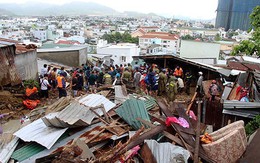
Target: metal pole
197	141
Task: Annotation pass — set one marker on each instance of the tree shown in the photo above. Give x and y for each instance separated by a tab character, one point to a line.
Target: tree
217	37
252	46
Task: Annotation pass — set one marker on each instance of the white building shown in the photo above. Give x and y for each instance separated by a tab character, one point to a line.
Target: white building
121	53
203	52
41	34
168	41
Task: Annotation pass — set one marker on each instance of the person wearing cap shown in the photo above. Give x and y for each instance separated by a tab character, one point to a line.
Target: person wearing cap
214	90
199	88
162	82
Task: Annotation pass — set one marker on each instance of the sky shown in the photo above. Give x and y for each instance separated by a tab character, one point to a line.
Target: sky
195	9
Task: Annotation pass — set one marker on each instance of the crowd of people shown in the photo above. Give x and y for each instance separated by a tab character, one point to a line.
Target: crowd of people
149	79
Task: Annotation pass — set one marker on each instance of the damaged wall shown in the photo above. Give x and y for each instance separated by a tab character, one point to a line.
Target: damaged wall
26	64
70	57
8	71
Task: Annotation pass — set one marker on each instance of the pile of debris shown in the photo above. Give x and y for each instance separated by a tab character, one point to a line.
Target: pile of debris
114	126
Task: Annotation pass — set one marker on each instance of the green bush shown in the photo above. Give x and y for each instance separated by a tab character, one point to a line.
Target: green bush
31	83
253	125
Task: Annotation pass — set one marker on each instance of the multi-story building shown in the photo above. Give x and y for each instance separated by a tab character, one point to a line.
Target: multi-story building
121	53
40	34
165	40
234	14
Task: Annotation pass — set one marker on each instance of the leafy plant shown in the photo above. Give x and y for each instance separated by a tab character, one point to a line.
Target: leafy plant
253	125
31	83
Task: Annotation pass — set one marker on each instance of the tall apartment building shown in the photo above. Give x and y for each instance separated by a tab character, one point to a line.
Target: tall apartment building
234	14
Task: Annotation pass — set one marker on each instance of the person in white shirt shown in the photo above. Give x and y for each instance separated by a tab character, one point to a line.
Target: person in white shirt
44	70
44	86
180	85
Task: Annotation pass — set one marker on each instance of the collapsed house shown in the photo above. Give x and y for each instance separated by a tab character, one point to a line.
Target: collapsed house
117	126
18	62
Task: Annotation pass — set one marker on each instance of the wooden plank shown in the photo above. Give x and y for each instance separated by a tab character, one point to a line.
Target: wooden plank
192	100
147	155
147	135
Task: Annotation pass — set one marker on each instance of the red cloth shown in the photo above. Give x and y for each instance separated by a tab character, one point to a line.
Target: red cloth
31	104
29	92
170	120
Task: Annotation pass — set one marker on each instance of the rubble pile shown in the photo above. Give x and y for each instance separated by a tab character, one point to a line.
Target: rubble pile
114	126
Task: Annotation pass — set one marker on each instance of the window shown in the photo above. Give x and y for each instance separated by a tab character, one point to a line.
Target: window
146	40
123	59
164	41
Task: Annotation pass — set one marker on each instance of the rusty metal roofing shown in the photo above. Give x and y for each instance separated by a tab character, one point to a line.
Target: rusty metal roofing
38	132
243	66
19	48
97	133
8	71
78	112
132	109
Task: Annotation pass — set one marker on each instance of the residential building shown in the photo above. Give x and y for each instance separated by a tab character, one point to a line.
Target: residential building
166	40
121	53
234	14
203	52
40	34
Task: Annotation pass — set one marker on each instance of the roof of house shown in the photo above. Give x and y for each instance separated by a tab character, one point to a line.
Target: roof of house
161	35
69	42
20	48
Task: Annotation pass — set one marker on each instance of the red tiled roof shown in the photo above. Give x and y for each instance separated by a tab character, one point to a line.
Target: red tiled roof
161	35
68	42
150	27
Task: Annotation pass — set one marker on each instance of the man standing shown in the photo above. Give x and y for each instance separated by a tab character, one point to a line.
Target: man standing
92	81
44	70
53	76
180	85
162	82
199	88
44	86
188	78
61	85
137	77
178	72
74	85
171	89
126	76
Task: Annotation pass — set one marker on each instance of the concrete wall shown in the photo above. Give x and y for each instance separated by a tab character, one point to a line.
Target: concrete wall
193	49
26	64
69	58
83	54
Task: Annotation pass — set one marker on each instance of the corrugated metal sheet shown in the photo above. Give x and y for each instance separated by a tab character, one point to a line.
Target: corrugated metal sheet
229	104
7	151
8	71
38	132
242	112
78	113
120	94
149	101
132	109
167	152
27	151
